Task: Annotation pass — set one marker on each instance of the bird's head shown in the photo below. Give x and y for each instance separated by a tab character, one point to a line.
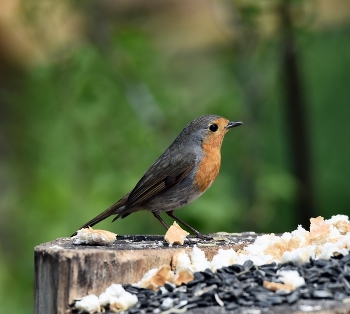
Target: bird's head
209	129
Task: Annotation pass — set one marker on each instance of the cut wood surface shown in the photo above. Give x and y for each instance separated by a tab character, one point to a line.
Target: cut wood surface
65	271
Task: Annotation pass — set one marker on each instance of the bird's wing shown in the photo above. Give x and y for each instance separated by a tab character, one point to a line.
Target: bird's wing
161	177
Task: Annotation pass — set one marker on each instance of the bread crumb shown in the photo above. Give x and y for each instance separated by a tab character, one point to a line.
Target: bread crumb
181	260
274	286
156	277
94	237
319	230
175	234
117	298
341	223
183	276
291	277
290	281
223	258
88	304
114	297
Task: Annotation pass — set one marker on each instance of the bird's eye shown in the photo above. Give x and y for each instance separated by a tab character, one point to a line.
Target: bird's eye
213	127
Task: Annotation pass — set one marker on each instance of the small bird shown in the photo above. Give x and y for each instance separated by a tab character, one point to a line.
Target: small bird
186	169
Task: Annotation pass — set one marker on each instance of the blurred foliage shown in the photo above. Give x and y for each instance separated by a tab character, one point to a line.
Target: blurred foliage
78	131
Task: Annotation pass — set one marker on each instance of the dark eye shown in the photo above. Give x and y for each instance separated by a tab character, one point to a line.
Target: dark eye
213	127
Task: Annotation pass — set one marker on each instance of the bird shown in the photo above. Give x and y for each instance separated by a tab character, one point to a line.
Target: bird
185	170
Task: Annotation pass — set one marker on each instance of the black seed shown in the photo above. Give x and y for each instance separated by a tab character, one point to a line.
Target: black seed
202	304
237	292
236	268
322	294
330	272
285	265
168	287
238	285
263	304
261	272
226	278
228	281
222	276
324	280
345	259
214	281
269	266
347	269
154	304
305	293
261	296
243	276
320	262
208	273
144	303
244	302
199	276
293	297
312	276
248	265
261	290
199	287
193	299
345	282
335	286
193	283
131	289
141	311
150	293
246	286
191	306
270	273
183	296
276	299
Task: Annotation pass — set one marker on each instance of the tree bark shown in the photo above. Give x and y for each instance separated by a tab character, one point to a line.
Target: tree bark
296	118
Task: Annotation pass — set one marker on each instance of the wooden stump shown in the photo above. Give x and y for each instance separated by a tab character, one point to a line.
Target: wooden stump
65	272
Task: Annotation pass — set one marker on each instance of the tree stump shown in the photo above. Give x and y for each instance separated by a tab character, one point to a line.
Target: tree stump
65	271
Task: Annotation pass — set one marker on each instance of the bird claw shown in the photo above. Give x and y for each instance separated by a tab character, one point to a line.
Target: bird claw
203	237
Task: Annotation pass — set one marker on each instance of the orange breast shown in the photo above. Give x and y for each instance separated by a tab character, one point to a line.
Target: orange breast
209	166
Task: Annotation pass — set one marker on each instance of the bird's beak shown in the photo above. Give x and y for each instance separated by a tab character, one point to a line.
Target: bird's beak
231	125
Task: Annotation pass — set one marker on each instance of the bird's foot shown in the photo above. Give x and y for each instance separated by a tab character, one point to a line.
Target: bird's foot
204	237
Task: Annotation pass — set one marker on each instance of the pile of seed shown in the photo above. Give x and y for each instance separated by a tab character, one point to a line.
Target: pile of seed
236	285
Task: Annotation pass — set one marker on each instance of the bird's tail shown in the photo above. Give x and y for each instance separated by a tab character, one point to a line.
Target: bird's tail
113	210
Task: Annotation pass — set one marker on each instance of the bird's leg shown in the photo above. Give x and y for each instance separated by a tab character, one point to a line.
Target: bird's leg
161	220
198	234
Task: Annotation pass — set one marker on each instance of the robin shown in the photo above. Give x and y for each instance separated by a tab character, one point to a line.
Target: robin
180	175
